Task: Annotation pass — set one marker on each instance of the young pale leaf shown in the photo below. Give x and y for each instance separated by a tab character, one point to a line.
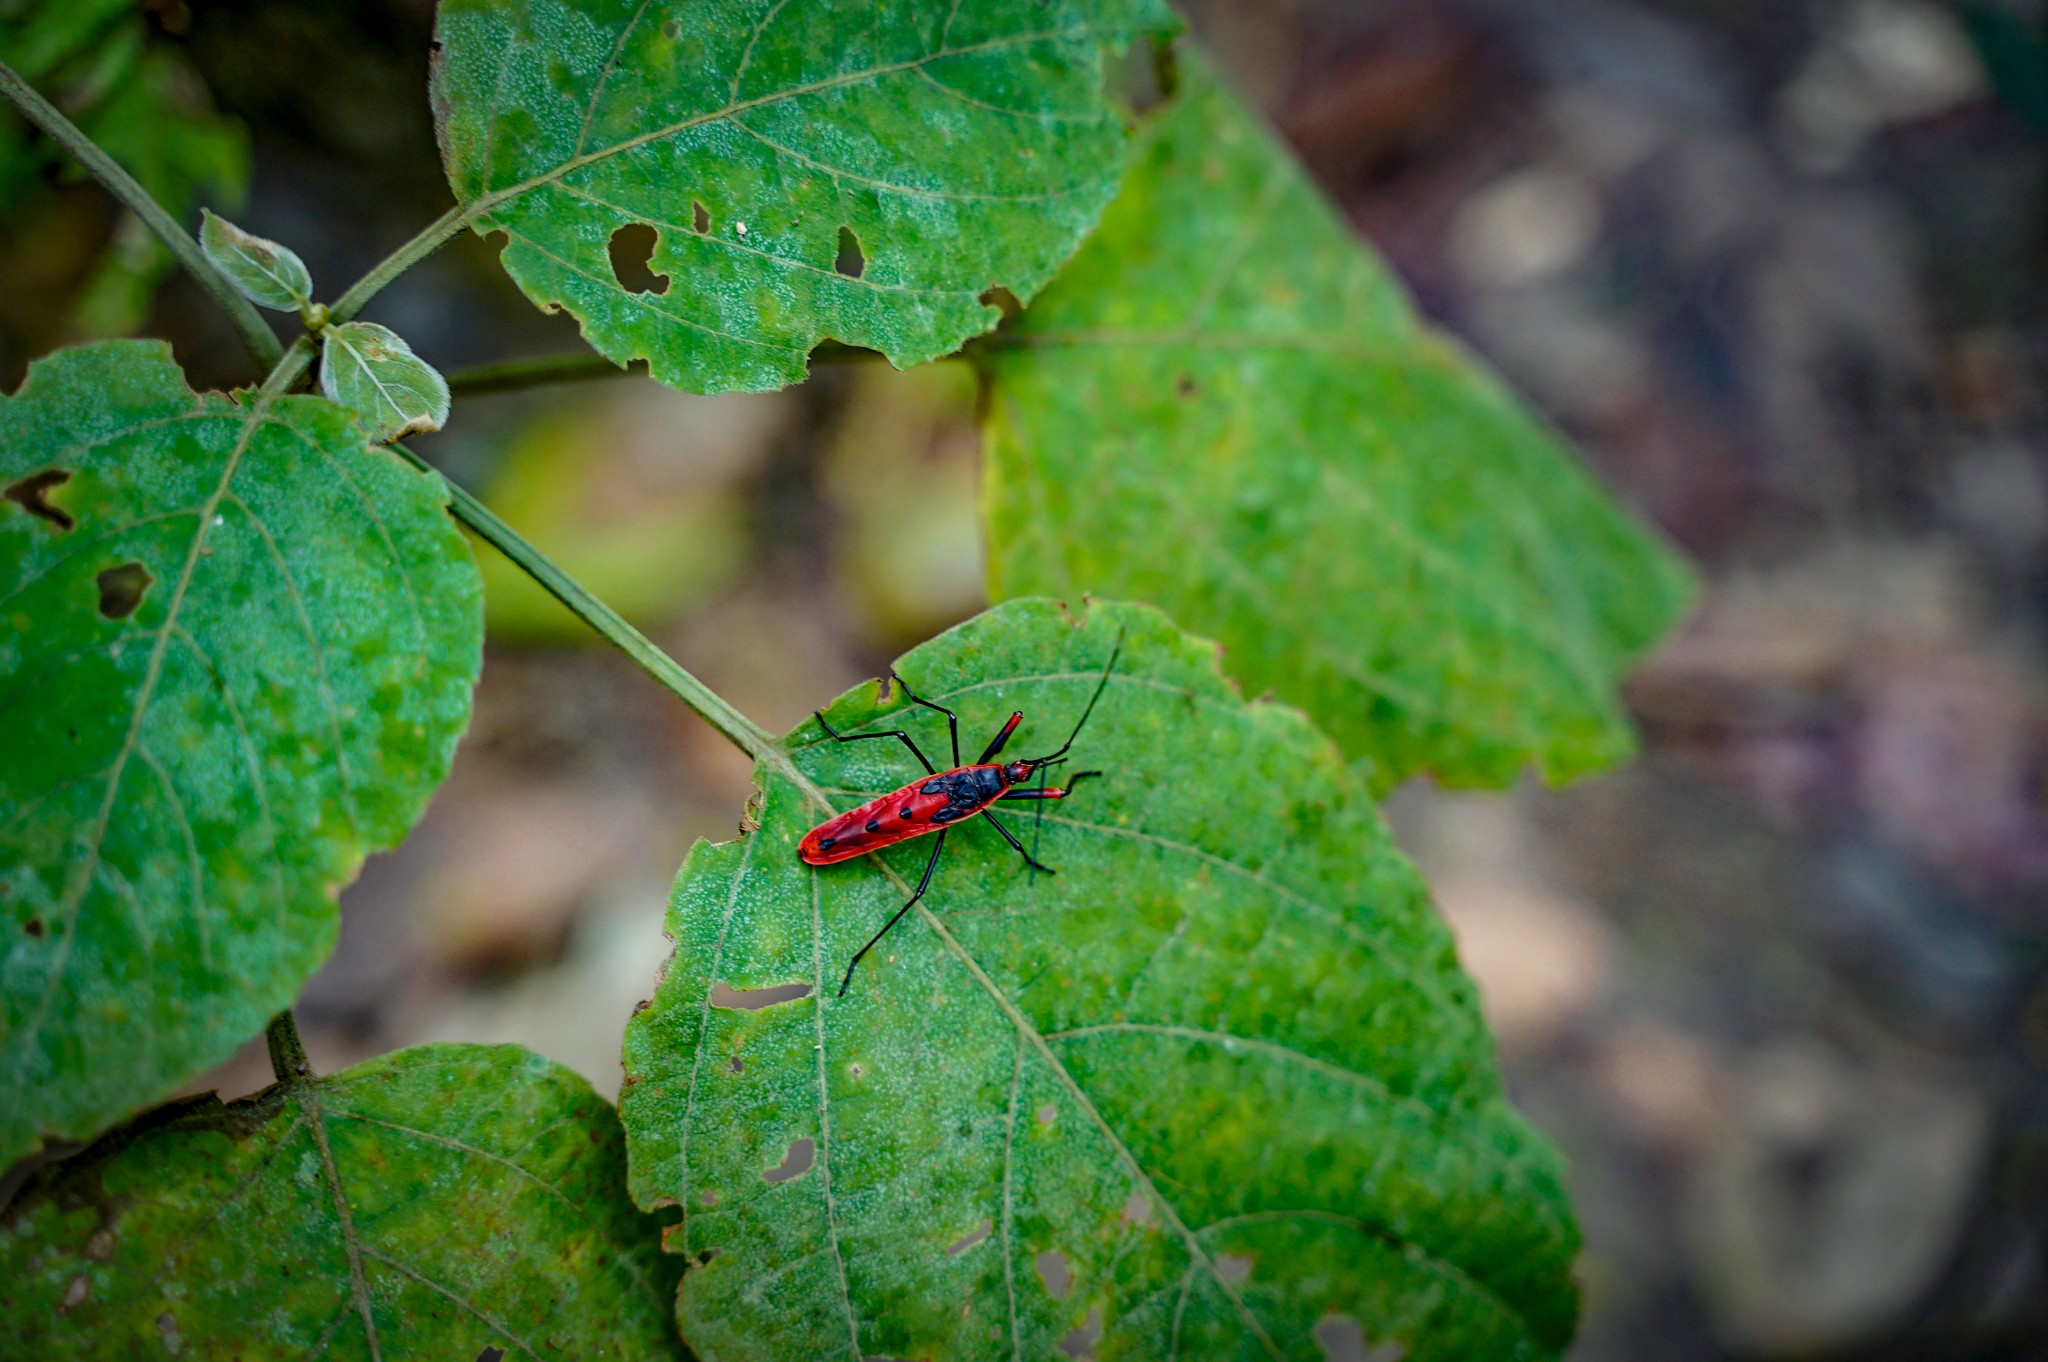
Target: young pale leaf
372	371
1216	1089
716	187
236	650
448	1201
1226	405
268	274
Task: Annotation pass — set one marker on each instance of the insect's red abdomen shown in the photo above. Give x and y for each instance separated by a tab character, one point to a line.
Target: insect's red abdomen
925	805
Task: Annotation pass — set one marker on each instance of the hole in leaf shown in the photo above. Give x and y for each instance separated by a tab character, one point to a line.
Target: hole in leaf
36	927
74	1295
671	30
491	1353
1047	1114
1054	1272
167	1330
32	494
754	999
1342	1339
736	1064
1138	1210
700	217
803	1151
998	297
971	1238
1233	1267
850	261
1079	1342
632	246
122	589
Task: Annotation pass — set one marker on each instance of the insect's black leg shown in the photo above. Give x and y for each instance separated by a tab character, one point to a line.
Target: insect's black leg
832	733
929	866
952	719
1011	838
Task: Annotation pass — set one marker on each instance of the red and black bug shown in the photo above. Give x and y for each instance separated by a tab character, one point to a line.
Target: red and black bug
941	800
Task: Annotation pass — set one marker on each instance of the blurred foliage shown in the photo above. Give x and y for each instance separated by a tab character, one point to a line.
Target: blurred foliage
903	473
103	64
635	525
1227	405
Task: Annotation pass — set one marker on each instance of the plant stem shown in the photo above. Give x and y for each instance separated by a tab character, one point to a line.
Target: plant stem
287	1055
511	375
432	237
744	733
256	334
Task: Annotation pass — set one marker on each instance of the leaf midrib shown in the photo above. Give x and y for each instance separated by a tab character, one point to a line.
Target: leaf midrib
1197	1254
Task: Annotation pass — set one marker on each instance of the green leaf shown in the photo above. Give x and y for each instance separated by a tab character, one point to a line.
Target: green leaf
432	1203
236	650
268	274
372	371
1227	406
1212	1084
799	171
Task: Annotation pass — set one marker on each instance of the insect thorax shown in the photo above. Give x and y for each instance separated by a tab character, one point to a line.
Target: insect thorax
966	791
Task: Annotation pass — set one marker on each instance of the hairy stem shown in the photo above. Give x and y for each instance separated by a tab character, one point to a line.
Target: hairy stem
432	237
287	1054
256	334
744	733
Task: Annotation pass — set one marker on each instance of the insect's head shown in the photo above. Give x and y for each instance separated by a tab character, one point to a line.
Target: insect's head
1017	772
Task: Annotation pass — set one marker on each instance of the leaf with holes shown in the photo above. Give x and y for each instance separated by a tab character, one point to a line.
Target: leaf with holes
236	649
717	187
1227	406
1216	1089
266	273
444	1201
372	371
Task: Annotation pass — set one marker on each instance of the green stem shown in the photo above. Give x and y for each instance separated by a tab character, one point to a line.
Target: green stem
744	733
287	1054
433	237
512	375
256	334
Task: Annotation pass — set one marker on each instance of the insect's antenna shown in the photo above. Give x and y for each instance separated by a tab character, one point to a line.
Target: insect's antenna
1037	822
1100	686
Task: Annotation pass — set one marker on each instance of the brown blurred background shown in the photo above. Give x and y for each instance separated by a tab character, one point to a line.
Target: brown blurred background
1780	989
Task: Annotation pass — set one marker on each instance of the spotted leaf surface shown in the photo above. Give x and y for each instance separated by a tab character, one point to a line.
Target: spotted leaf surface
1226	405
1216	1089
440	1202
236	649
717	186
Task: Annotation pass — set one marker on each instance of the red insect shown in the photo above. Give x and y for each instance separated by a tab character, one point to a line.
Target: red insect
941	800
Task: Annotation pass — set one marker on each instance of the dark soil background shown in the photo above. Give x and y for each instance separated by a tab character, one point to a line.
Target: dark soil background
1780	988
